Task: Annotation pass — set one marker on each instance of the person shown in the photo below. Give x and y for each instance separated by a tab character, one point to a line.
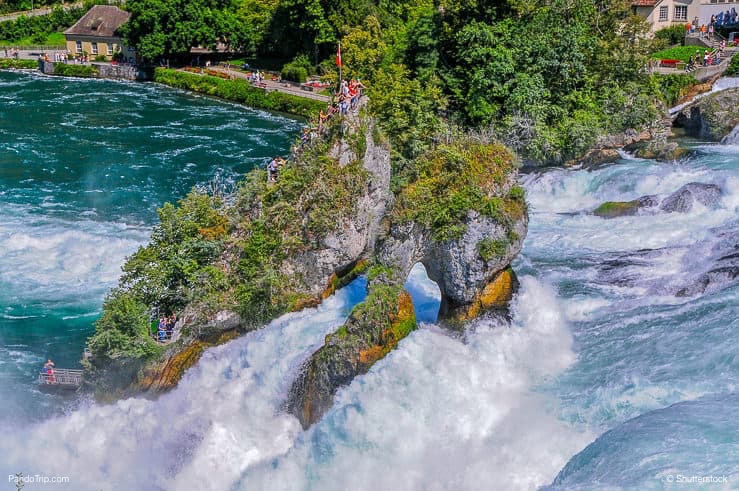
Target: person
162	329
49	371
272	169
304	138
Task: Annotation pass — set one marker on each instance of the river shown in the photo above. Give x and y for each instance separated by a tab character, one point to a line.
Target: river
606	376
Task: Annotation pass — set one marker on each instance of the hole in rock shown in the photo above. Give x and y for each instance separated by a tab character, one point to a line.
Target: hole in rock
425	293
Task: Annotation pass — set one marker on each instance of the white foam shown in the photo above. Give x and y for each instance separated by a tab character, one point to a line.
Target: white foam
223	416
49	257
440	413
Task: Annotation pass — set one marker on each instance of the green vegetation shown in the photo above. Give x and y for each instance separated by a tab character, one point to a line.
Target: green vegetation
66	70
611	209
547	79
733	68
297	70
239	91
42	29
671	35
6	63
671	88
231	256
52	39
682	53
452	179
489	248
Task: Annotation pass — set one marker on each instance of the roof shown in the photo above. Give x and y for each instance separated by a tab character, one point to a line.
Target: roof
99	21
644	3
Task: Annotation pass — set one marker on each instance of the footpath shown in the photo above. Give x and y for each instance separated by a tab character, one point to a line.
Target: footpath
271	85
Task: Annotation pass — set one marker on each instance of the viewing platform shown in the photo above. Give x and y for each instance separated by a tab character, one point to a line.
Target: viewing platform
61	378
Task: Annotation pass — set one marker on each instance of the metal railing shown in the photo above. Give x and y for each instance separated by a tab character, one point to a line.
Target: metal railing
61	376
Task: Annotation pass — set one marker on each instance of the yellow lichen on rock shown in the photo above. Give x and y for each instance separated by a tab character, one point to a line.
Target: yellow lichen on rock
495	295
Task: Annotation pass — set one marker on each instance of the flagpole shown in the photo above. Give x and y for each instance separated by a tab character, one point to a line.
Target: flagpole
341	62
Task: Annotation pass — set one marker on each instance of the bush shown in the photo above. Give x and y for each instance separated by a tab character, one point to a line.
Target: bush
294	73
298	69
100	58
672	35
6	63
75	70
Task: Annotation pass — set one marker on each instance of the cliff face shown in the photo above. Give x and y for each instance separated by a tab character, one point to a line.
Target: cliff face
330	217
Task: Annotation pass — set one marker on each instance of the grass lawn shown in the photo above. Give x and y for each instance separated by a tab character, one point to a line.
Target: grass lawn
681	53
53	39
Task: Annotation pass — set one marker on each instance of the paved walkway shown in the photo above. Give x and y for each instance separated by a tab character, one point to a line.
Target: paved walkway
270	85
35	12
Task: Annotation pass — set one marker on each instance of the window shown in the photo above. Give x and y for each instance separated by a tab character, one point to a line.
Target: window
94	48
110	49
663	11
79	47
681	12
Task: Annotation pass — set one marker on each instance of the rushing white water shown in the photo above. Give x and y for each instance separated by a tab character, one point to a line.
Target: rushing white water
436	405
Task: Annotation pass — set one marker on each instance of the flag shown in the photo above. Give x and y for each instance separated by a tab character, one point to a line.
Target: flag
338	56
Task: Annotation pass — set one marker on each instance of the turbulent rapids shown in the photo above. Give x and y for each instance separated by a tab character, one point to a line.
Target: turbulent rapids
615	369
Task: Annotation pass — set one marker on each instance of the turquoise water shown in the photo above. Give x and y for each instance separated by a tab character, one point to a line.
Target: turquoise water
84	164
605	378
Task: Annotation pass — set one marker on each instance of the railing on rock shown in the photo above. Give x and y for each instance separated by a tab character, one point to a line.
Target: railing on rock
61	377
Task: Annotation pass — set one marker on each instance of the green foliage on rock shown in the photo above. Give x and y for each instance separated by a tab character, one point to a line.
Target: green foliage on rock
123	329
490	248
452	179
239	91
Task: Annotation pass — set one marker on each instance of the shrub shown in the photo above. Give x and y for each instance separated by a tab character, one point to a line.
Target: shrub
733	68
294	73
100	58
298	69
6	63
75	70
239	91
672	35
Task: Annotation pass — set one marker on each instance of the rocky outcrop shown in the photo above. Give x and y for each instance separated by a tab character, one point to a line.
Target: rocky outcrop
712	117
613	209
468	259
373	329
330	217
681	201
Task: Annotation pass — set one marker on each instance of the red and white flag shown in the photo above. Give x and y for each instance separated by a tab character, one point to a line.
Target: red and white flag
338	56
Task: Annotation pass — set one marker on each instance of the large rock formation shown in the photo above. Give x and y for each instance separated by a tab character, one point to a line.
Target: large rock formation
287	245
680	201
466	257
712	117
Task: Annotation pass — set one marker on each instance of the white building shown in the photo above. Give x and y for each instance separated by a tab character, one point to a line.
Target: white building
666	13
